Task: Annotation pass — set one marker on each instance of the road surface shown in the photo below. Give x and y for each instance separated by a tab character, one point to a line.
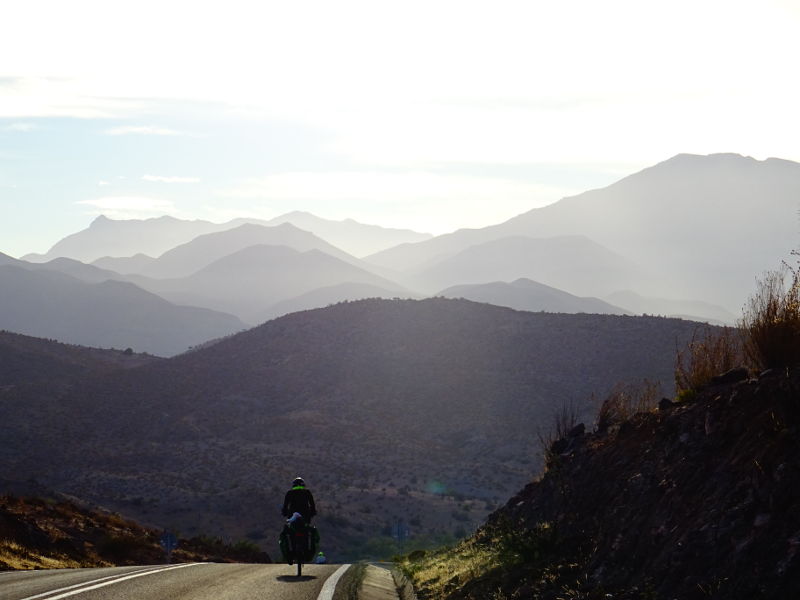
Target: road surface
195	581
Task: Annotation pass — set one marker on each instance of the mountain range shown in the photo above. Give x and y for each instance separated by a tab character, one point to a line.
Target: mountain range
698	227
107	238
686	237
248	282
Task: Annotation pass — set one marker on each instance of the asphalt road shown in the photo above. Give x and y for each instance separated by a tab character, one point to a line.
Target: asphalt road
198	581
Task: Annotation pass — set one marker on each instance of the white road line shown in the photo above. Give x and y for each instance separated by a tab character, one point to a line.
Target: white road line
72	587
326	593
114	579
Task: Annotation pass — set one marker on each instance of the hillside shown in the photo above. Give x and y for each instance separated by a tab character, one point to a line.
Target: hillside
109	314
26	360
696	500
56	533
424	412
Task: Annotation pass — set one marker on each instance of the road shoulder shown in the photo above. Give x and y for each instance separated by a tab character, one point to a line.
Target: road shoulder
378	584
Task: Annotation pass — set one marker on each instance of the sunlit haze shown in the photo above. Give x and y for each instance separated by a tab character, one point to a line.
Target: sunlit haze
427	115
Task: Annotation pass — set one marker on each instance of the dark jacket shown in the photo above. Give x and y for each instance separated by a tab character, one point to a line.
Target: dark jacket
299	499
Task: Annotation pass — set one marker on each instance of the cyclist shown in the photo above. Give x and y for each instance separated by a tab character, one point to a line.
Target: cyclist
299	500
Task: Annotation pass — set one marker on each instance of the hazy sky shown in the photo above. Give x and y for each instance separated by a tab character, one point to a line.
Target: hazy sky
432	115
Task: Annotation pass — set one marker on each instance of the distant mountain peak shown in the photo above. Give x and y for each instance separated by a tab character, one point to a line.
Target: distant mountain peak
99	221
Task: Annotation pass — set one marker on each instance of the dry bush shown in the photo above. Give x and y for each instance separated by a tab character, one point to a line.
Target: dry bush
771	320
710	353
564	420
626	400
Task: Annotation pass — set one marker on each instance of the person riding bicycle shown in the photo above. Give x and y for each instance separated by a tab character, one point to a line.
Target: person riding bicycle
299	500
298	508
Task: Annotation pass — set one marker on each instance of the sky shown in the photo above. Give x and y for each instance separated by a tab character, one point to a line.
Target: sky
432	115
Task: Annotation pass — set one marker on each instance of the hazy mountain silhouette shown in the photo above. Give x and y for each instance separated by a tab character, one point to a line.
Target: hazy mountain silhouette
705	225
5	259
524	294
46	303
109	237
249	282
427	409
572	263
192	256
124	265
689	309
354	238
74	268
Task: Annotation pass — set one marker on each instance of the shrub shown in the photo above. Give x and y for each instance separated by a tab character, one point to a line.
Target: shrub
709	353
626	400
518	544
771	320
564	419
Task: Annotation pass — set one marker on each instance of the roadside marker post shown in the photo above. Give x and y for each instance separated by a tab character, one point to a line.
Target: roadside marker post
169	542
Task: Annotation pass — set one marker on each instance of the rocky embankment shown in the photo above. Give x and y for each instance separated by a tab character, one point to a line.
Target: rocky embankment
699	499
36	533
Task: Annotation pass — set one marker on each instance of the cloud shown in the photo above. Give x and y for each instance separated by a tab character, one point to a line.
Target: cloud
103	182
129	207
142	130
163	179
37	96
24	127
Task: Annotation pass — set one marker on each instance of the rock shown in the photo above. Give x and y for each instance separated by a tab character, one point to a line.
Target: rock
665	404
579	429
761	520
559	446
733	376
709	423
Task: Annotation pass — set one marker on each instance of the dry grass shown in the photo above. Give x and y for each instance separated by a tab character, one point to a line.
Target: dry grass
438	572
771	320
708	354
564	420
17	557
626	400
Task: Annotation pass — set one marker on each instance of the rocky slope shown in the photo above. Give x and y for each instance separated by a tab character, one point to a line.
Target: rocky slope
51	533
697	500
